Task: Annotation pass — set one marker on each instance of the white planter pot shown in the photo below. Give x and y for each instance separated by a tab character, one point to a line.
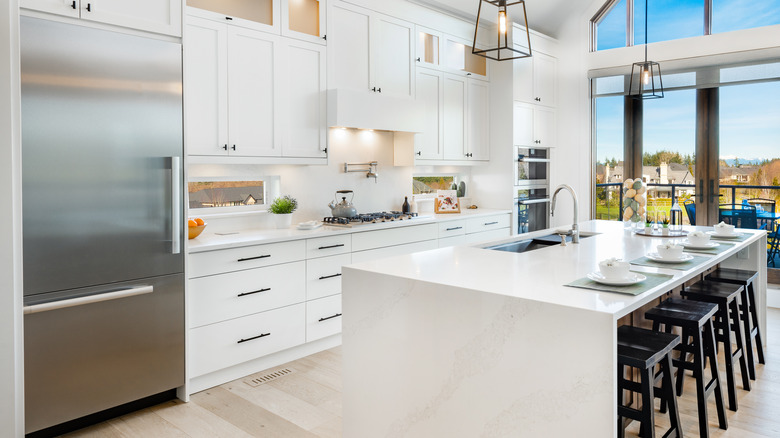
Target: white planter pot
283	220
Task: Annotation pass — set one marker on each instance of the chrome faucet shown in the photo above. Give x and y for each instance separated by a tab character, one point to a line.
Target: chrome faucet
575	229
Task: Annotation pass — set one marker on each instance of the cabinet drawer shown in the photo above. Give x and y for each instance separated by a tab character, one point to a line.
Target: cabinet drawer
390	251
248	257
323	276
452	228
227	296
217	346
393	236
452	241
328	246
486	223
323	317
487	235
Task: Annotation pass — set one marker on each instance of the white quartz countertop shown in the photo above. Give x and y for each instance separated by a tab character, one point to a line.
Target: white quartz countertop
212	241
540	275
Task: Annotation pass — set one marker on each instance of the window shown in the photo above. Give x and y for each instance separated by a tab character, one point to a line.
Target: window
227	194
675	19
609	156
423	185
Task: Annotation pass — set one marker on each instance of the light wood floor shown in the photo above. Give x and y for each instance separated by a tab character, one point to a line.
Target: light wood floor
307	403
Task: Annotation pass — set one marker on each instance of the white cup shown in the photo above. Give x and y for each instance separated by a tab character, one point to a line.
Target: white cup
670	252
613	269
724	229
698	238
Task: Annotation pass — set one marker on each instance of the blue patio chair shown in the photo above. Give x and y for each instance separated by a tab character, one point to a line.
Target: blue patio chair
741	216
690	210
773	240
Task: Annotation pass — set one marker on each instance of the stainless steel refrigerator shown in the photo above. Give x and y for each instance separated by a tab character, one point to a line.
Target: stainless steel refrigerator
102	219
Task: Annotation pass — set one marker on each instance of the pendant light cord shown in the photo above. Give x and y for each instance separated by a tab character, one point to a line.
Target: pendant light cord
645	31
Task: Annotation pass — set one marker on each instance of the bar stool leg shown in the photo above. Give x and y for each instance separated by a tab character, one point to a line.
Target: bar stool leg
724	330
756	327
669	394
745	315
743	368
709	347
647	428
701	391
620	376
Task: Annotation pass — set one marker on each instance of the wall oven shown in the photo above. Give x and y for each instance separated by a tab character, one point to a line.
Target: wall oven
532	189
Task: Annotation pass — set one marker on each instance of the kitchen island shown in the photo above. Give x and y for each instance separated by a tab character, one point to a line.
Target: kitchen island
471	342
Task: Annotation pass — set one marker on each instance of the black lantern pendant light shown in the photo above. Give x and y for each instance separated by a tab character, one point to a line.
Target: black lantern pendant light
646	82
504	47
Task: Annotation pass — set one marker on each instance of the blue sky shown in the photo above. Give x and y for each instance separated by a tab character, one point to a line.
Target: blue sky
750	114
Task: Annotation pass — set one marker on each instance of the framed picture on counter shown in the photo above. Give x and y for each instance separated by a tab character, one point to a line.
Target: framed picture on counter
446	201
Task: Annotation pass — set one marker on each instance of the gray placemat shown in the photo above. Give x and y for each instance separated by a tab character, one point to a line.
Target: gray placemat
742	237
717	250
684	266
652	281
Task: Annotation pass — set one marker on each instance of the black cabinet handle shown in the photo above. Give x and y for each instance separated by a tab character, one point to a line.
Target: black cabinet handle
490	223
538	99
331	246
73	5
330	317
234	147
468	74
229	18
330	276
374	89
224	147
418	59
419	153
379	90
454	228
469	155
325	37
254	292
241	341
89	7
254	258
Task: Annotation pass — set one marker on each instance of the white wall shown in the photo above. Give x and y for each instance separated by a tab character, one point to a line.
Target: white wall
11	355
314	186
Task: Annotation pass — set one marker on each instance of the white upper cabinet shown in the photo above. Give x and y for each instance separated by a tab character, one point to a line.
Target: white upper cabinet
370	51
534	126
478	120
454	117
305	130
535	79
205	87
253	103
428	144
158	16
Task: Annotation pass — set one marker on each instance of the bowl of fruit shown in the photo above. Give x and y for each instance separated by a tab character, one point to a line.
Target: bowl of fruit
195	227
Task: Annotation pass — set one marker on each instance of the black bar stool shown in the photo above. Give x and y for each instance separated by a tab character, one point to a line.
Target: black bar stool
695	320
726	296
644	349
749	312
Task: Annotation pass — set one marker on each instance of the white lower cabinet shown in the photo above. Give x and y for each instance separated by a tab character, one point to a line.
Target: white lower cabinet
323	317
234	294
323	275
452	241
217	346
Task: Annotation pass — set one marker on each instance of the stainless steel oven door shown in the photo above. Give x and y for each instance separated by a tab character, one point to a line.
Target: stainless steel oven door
532	166
532	209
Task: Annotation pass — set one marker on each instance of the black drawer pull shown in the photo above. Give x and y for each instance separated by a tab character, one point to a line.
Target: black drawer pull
254	292
331	246
330	276
490	223
330	317
454	228
253	338
254	258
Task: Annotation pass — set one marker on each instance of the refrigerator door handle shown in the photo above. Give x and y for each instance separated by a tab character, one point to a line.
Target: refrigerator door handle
176	205
97	298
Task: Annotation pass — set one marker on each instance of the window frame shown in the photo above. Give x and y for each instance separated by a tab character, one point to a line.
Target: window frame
270	191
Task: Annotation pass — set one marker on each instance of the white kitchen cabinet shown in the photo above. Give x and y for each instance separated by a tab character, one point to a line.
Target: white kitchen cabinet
478	120
158	16
458	58
535	79
533	125
304	98
428	144
252	94
454	117
323	317
370	51
246	257
304	20
323	275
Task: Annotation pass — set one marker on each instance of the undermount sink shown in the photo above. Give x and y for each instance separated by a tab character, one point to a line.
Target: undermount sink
526	245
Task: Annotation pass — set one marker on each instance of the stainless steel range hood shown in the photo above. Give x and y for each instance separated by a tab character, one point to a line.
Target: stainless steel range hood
363	110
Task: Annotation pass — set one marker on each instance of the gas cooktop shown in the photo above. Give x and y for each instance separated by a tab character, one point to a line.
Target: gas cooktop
368	218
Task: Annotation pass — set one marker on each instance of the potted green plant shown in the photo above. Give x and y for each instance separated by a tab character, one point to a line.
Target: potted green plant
282	209
648	226
665	226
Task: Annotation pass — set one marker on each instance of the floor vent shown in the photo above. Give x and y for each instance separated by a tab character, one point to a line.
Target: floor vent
255	381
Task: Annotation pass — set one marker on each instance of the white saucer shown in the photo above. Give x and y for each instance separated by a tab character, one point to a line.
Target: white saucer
311	225
708	245
724	236
633	278
654	256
